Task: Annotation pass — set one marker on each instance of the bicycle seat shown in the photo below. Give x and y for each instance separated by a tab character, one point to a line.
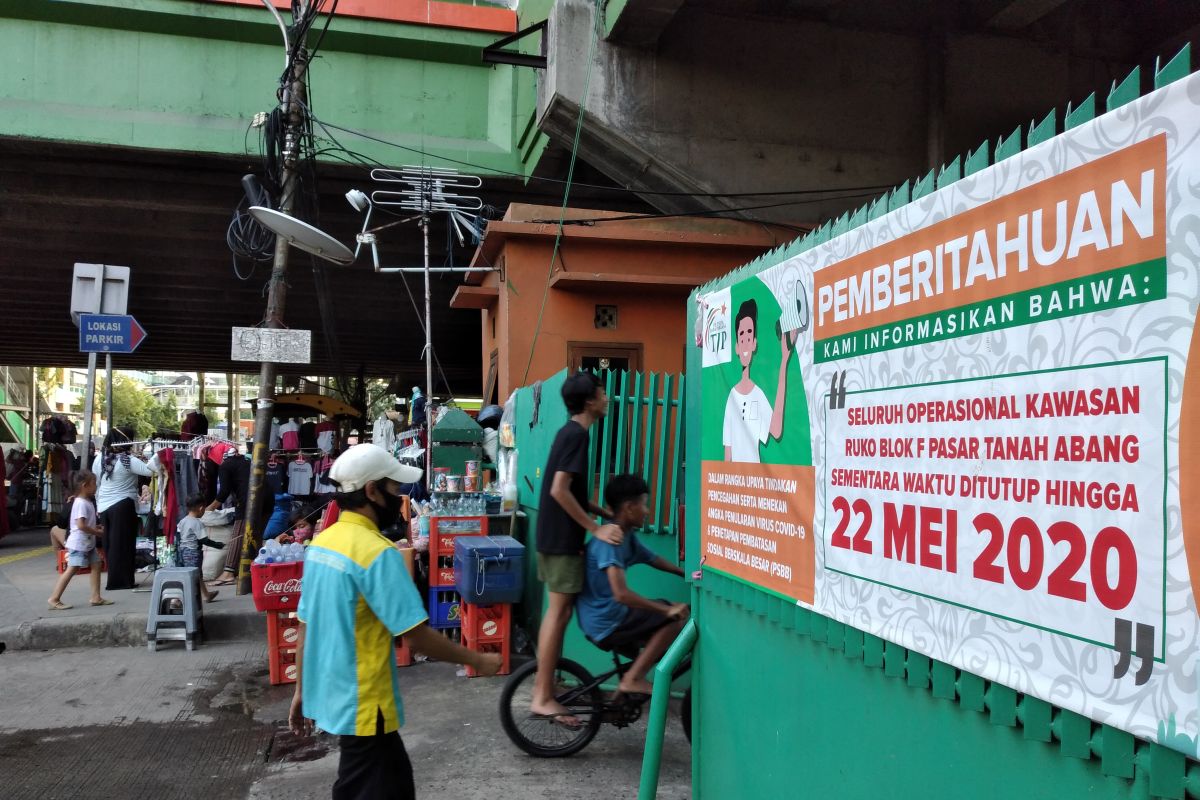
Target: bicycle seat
628	650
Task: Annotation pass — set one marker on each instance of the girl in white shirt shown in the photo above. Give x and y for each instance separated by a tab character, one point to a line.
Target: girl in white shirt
81	543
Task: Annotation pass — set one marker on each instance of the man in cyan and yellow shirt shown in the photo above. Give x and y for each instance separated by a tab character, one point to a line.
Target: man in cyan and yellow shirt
357	596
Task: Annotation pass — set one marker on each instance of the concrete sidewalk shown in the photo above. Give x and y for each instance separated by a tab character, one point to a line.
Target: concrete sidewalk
27	577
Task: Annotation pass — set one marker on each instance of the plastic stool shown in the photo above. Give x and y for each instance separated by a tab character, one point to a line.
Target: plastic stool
170	583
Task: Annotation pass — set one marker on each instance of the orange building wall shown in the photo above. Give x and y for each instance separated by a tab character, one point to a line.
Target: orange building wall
650	315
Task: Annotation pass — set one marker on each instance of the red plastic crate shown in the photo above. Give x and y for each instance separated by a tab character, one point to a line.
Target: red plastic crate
442	573
493	647
62	565
283	635
276	587
282	666
283	629
404	656
444	530
485	624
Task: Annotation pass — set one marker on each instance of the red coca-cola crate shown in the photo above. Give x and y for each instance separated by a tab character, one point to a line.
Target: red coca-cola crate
441	574
444	530
276	587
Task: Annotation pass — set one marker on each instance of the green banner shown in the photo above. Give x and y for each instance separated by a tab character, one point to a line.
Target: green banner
1127	286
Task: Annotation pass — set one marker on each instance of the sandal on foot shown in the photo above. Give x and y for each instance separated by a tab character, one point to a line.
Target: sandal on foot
560	719
58	605
102	602
223	582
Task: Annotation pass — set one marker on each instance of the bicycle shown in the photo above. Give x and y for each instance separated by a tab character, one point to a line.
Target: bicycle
580	692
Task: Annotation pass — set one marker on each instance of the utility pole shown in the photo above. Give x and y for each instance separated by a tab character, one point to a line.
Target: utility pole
428	357
293	105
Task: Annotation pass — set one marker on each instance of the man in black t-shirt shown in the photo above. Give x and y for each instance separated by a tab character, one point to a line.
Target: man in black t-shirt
565	517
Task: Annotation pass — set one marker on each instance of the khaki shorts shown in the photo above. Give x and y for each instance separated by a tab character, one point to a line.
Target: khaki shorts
561	573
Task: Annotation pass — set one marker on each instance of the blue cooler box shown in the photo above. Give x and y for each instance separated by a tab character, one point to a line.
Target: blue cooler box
489	569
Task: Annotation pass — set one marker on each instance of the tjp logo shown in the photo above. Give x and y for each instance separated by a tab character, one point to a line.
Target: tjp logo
718	333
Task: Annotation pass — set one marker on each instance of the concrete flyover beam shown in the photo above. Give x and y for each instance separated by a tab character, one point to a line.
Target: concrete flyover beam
736	104
638	22
1021	13
625	161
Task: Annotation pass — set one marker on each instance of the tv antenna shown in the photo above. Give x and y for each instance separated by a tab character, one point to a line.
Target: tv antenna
424	191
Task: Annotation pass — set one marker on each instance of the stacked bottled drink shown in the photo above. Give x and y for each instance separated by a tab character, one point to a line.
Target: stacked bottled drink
276	553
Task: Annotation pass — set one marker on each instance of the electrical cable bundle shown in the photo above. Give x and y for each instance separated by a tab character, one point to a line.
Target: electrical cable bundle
248	240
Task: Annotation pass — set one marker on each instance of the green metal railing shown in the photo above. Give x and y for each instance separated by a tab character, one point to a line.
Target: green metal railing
657	722
642	434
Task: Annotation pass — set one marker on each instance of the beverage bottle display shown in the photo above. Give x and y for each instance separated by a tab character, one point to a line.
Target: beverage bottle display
275	553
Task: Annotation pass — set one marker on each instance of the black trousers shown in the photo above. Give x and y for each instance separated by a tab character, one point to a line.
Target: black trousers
374	767
120	523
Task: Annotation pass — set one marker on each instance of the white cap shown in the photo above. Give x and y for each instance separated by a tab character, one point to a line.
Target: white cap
368	462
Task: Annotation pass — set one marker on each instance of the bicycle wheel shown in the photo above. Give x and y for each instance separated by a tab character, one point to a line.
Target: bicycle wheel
539	736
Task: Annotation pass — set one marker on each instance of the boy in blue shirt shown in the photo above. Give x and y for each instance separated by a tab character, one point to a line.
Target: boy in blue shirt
611	614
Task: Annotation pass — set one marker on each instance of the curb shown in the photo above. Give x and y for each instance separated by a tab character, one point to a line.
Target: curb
122	630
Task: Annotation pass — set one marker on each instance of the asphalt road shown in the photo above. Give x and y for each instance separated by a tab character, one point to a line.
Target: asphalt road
117	722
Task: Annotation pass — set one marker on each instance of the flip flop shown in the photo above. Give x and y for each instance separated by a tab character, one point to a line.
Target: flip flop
213	596
635	698
59	606
104	602
559	719
223	582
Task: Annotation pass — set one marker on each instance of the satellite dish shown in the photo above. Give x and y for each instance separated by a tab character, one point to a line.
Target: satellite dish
303	236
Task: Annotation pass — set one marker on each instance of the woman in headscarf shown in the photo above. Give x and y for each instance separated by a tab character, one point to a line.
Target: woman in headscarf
117	471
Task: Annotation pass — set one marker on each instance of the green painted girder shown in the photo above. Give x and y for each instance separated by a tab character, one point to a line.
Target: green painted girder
189	76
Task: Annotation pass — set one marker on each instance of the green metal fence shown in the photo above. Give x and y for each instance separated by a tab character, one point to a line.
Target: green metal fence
640	435
643	434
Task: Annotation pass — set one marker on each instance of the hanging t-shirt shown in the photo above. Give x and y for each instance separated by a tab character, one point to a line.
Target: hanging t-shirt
384	433
321	482
276	436
289	435
325	431
275	475
300	475
308	435
194	424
